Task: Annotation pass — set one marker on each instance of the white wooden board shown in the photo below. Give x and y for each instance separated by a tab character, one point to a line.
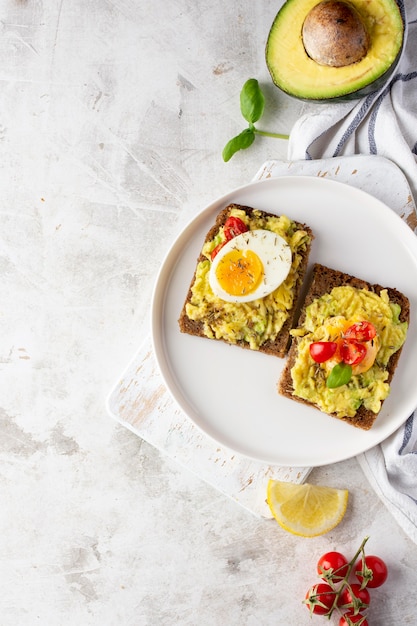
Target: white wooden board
141	402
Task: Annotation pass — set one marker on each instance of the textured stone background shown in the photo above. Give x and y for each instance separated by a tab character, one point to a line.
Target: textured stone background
113	116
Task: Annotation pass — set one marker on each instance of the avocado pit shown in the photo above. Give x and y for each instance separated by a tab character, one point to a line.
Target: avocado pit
333	34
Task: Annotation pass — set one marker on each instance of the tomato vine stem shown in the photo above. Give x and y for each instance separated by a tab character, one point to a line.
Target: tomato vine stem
345	580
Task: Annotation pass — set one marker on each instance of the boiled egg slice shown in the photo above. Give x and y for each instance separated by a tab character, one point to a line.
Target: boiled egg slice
250	266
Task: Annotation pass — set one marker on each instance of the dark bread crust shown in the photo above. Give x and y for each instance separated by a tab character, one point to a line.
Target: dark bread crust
323	279
278	347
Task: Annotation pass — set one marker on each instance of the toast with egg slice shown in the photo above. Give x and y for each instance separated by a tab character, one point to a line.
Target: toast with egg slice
264	323
335	302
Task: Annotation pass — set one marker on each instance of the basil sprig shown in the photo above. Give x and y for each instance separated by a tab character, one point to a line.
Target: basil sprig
252	101
339	375
252	104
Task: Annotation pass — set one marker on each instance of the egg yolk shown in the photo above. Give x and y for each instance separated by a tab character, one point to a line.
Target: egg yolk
239	272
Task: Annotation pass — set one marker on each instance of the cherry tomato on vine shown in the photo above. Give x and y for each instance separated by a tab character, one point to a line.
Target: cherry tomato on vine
320	598
361	331
353	619
375	572
354	597
352	352
234	226
322	351
332	564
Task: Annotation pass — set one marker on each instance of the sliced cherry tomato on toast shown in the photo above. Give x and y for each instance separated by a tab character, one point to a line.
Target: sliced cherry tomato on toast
322	351
234	226
352	352
217	249
361	331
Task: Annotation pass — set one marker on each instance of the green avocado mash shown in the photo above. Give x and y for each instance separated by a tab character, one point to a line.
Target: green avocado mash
322	317
253	322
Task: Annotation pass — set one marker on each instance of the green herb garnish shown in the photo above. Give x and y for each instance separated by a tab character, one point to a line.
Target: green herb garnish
252	104
339	375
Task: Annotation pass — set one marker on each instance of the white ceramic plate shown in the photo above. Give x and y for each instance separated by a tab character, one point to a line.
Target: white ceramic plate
230	393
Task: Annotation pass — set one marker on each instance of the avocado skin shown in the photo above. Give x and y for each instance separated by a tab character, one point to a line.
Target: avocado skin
354	92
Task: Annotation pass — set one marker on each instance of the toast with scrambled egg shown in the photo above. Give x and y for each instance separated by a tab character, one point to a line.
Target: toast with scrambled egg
346	347
262	323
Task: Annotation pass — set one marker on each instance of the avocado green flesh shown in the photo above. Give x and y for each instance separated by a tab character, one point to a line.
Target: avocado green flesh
295	73
368	388
259	321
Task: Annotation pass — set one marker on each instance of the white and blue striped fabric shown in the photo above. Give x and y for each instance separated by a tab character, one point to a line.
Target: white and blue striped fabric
385	124
391	469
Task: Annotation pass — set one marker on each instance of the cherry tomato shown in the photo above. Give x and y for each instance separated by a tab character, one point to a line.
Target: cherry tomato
353	619
320	598
322	351
234	226
354	598
334	564
361	331
352	352
217	249
377	575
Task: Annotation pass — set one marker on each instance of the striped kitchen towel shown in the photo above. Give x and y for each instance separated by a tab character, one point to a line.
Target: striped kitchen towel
391	469
385	124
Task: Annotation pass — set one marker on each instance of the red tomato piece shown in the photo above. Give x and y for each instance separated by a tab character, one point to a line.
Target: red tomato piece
322	351
375	571
217	249
352	352
320	598
332	564
354	598
234	226
361	331
353	619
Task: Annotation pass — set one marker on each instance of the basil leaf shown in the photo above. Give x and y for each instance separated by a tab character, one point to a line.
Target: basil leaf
340	375
240	142
252	101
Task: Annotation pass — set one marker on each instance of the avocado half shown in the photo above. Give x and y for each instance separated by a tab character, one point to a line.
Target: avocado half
373	26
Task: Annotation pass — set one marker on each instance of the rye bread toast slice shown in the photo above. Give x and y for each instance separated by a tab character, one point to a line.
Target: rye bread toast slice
323	280
279	344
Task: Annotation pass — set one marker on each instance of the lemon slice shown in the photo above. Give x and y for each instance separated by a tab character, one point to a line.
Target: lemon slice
306	510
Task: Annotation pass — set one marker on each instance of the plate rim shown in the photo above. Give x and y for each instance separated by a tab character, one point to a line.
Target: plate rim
193	223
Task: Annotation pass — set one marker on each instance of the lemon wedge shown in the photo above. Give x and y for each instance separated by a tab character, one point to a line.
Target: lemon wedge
306	510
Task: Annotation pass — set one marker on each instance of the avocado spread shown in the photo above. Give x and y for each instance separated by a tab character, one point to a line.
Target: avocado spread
323	315
253	322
